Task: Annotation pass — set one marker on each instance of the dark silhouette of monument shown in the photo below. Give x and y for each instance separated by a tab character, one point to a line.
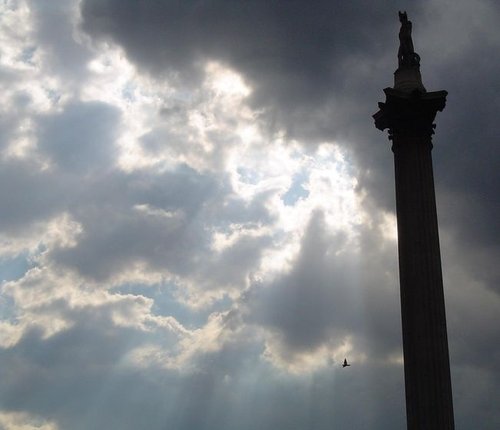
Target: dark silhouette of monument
408	113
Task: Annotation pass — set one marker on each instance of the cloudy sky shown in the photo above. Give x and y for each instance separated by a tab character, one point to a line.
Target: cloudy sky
197	212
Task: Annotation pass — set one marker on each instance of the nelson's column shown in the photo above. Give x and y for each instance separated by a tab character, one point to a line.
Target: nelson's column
408	113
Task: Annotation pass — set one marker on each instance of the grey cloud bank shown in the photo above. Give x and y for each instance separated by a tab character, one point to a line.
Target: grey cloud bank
199	210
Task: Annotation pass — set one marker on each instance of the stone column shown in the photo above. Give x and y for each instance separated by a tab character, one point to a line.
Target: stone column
409	116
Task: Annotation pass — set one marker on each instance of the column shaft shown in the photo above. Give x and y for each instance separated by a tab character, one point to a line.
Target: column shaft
425	345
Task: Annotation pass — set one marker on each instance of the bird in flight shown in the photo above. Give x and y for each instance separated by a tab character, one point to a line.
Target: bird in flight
345	363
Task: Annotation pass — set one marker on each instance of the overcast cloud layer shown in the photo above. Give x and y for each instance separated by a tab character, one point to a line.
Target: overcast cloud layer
197	213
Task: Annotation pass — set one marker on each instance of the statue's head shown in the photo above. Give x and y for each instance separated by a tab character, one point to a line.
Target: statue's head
403	17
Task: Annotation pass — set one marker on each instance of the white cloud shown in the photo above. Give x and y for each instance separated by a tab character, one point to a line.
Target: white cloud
60	231
24	421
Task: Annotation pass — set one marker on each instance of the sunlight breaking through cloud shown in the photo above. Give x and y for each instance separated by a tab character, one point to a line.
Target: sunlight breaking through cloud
197	215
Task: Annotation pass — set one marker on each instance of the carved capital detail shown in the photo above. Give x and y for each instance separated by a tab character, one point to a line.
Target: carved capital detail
409	114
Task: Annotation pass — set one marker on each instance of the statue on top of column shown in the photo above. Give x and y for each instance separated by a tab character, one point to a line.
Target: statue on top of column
406	54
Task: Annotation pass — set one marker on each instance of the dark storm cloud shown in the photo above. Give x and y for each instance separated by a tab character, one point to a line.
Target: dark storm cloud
307	302
53	28
164	221
466	151
107	394
28	195
319	70
313	68
8	123
466	141
294	54
330	286
80	138
129	237
71	371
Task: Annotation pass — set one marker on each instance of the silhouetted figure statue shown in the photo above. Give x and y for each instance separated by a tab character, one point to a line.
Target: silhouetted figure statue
406	54
346	364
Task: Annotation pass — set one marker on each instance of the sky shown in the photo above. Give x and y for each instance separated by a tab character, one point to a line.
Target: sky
197	216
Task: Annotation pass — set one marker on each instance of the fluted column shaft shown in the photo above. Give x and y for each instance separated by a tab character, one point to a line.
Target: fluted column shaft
409	117
426	361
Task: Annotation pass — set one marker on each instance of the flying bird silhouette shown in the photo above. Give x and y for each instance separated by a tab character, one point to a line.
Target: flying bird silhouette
345	363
